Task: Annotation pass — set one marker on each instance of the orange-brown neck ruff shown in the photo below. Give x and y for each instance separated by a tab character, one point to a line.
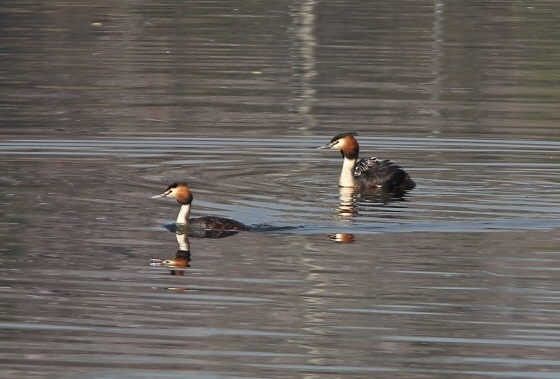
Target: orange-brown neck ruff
183	195
349	147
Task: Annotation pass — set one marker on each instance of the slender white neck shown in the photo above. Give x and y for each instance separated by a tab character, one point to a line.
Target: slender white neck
184	212
347	173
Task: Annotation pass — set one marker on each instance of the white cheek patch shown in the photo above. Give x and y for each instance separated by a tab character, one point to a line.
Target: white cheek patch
339	144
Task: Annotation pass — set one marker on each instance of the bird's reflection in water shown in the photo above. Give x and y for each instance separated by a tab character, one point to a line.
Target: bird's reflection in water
182	258
381	196
351	199
342	237
348	206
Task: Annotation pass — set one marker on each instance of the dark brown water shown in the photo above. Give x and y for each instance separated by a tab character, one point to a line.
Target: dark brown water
103	105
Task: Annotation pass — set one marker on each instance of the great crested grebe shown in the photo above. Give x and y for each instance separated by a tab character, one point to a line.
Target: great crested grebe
366	173
181	193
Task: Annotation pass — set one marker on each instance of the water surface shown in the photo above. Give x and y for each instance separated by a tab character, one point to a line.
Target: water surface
104	105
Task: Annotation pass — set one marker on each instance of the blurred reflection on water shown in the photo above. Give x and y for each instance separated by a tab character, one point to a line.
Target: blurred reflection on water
104	103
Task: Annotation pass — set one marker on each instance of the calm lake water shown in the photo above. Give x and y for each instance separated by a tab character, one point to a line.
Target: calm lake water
104	104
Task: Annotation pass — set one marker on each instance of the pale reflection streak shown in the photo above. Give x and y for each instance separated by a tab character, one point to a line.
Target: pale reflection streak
437	51
303	66
304	96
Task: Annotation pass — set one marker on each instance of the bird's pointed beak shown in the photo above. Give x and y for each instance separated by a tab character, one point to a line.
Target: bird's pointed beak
327	146
160	195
